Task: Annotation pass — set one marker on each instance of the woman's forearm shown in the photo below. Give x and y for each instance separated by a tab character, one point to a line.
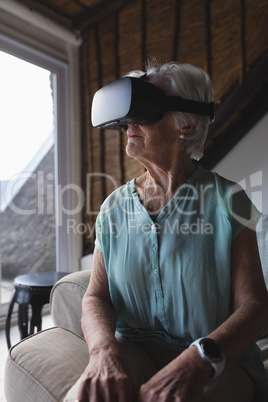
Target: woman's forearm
98	324
249	299
107	374
244	327
98	317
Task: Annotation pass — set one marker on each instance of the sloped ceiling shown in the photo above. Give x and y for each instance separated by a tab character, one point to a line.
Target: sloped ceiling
227	38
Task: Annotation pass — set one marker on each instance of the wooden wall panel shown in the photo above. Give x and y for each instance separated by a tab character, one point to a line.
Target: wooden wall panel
130	33
191	37
130	38
94	182
223	37
160	21
89	84
256	32
226	45
107	46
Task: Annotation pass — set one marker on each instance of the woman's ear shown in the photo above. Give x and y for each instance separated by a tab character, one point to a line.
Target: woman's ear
186	131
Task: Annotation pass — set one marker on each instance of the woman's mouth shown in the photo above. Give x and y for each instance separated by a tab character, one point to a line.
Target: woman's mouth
133	135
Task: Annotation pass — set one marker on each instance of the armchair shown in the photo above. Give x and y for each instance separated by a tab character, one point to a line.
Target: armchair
44	366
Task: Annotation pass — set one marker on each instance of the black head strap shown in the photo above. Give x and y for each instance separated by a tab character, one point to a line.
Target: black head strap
143	77
178	104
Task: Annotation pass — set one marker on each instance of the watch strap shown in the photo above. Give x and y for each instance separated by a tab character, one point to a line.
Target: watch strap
217	365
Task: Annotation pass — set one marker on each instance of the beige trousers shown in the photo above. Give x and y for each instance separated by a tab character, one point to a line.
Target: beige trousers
234	386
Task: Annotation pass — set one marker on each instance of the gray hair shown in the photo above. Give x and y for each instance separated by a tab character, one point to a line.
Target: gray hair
190	82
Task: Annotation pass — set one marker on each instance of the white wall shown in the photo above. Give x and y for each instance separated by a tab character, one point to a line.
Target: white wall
247	163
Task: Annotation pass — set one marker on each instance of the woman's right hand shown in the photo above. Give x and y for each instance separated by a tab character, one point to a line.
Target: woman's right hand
106	379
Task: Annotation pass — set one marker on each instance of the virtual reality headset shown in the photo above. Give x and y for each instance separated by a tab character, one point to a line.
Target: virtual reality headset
132	100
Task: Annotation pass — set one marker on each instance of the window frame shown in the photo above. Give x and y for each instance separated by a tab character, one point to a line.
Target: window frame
35	39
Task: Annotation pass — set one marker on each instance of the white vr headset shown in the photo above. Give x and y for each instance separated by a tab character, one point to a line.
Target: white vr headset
132	100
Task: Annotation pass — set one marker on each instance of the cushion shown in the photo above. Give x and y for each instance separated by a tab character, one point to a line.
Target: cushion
44	366
263	345
66	301
262	236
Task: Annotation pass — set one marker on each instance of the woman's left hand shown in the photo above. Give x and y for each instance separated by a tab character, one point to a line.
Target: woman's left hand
182	380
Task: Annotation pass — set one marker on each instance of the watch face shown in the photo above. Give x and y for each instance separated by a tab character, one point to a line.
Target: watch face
211	349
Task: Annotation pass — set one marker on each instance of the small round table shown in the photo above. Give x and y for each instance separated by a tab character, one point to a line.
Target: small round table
33	289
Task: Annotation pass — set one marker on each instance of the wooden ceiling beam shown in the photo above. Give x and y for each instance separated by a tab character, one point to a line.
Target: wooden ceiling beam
223	144
239	113
241	96
48	12
97	13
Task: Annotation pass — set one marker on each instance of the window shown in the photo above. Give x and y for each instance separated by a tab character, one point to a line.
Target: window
27	207
53	50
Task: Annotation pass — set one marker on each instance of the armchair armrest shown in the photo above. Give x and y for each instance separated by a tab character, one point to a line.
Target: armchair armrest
66	301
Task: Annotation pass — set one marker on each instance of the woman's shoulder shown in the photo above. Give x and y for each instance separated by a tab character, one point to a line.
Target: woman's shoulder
117	197
218	189
230	198
216	182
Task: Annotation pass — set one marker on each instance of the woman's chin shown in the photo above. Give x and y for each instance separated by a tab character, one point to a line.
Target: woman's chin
132	150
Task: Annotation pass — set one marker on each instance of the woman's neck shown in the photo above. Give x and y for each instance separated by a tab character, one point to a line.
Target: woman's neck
157	186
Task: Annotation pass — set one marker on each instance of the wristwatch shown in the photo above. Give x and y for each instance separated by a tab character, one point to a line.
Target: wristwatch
210	352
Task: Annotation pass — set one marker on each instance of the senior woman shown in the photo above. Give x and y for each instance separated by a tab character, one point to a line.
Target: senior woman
176	298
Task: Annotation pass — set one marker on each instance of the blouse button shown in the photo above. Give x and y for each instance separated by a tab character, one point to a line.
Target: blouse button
155	271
